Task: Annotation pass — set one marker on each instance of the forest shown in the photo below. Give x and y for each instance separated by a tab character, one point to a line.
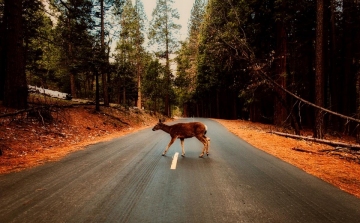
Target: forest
294	64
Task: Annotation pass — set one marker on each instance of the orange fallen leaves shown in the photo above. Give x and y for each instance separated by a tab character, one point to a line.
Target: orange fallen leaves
313	158
26	143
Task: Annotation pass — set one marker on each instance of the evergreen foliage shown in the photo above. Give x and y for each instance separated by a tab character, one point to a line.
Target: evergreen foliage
162	32
130	54
66	47
239	37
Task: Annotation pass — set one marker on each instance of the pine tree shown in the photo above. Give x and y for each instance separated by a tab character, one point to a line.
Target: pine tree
186	59
162	32
125	51
184	81
153	84
280	114
15	86
319	68
103	66
196	19
74	25
130	52
223	59
2	51
102	55
41	51
139	40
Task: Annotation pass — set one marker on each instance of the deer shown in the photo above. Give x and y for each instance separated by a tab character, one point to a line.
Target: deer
185	130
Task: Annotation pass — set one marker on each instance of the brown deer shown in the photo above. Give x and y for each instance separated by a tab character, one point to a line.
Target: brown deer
185	130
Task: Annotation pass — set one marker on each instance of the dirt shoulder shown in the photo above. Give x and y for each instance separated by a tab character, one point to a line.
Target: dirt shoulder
325	162
27	142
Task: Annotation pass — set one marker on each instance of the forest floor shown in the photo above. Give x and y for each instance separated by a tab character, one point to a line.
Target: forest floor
337	166
29	140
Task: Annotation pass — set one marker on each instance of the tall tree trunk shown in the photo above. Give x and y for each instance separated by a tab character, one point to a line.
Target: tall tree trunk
197	110
334	71
73	85
103	55
167	103
280	63
97	90
350	22
185	110
70	61
358	102
155	106
105	88
356	30
124	95
2	58
234	110
254	113
15	89
72	75
138	71
167	100
217	103
319	70
347	55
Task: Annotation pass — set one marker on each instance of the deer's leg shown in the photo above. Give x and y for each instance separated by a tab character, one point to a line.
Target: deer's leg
207	144
168	146
203	141
182	147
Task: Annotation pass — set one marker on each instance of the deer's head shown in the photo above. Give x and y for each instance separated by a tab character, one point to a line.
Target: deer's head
158	126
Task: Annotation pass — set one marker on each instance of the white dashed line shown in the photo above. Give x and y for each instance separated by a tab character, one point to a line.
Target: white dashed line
174	161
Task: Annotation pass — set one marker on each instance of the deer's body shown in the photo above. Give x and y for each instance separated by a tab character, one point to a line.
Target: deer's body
185	130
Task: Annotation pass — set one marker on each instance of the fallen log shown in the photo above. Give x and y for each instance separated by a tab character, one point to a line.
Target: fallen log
37	108
16	113
328	142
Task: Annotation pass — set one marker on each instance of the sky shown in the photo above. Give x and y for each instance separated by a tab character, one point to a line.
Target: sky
184	8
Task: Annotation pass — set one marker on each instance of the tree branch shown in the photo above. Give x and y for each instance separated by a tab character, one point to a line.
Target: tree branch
328	142
303	100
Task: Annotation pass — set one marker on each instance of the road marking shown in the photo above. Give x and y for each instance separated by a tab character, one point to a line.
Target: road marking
174	161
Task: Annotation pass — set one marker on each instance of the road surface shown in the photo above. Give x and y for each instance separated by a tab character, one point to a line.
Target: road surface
127	180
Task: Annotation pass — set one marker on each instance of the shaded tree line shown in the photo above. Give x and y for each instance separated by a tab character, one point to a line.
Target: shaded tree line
310	48
66	45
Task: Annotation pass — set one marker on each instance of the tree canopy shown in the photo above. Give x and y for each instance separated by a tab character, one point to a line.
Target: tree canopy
282	62
162	33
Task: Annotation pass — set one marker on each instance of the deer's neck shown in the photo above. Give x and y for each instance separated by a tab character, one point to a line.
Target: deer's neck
166	128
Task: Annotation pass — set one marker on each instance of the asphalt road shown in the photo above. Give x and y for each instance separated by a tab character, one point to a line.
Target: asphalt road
127	180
